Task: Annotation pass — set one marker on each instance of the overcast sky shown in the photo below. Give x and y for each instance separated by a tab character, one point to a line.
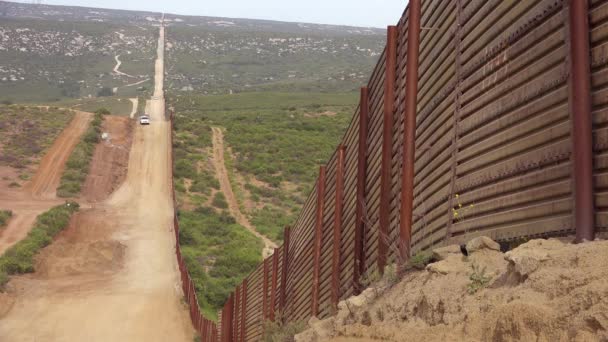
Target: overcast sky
375	13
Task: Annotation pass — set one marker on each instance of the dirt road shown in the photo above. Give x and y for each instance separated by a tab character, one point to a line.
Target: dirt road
112	276
45	181
233	206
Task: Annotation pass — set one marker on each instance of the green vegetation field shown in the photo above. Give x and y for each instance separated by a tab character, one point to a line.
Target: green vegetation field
18	124
277	139
219	254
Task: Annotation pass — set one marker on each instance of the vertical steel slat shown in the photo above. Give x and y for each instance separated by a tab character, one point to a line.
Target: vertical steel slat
580	109
244	309
273	287
285	268
337	238
265	289
387	145
360	222
318	235
455	128
409	129
237	295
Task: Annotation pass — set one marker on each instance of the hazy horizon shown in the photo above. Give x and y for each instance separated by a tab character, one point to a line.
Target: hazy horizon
336	12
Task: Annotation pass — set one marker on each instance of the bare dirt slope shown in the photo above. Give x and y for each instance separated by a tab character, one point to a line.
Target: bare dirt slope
110	159
544	290
45	181
226	187
112	276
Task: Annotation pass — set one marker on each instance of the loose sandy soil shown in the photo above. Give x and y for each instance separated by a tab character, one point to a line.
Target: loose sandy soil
112	275
544	290
226	188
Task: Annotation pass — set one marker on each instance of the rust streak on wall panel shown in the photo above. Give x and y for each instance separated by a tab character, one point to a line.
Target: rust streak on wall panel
580	109
387	140
317	238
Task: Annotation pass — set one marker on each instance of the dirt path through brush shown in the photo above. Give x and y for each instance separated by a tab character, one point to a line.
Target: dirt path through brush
226	187
112	275
46	180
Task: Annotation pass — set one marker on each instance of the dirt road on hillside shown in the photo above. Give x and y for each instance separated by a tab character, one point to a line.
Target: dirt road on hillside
39	194
233	205
112	276
46	180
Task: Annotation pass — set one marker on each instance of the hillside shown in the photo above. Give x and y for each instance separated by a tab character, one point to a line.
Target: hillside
543	290
51	53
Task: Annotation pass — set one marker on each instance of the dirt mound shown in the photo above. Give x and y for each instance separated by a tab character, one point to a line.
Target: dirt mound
544	290
110	159
84	247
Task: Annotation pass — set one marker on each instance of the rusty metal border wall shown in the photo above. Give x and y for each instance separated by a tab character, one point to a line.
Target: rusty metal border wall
491	103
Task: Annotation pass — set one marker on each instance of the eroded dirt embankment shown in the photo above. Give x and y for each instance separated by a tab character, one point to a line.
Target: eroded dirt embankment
544	290
110	160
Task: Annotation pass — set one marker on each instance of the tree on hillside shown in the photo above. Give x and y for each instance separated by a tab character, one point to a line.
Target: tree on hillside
105	91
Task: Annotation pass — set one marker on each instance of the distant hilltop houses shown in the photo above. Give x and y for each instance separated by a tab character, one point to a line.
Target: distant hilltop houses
74	47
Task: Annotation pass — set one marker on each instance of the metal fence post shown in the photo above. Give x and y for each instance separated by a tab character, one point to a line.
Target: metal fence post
409	130
265	289
284	270
360	224
317	242
337	238
387	145
580	109
244	309
273	287
235	325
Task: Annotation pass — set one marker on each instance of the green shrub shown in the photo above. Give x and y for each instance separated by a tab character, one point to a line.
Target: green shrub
20	257
420	260
219	200
280	332
5	215
477	279
103	111
77	166
218	253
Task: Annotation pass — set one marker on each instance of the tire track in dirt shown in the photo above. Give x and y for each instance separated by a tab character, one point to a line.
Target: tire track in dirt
46	180
226	187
